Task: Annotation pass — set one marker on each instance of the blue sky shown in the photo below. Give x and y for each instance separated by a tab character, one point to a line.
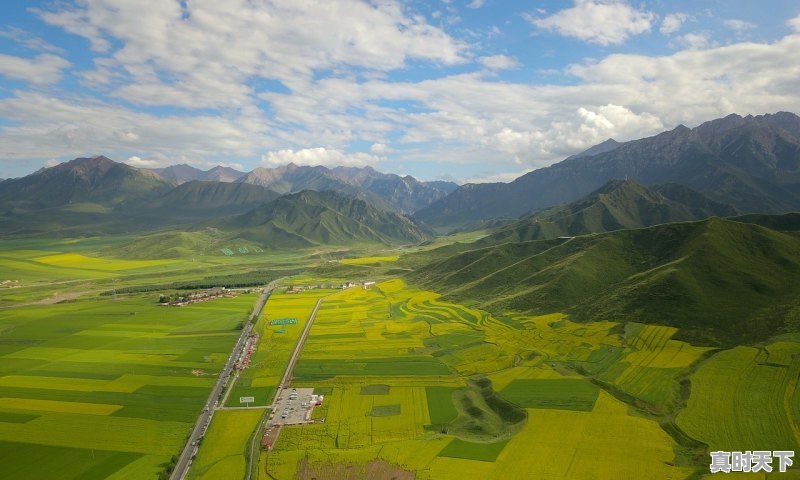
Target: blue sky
469	90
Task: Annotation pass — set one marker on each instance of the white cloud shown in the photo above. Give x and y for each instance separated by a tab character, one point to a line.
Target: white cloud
471	121
206	54
603	22
739	26
137	162
318	156
490	177
476	3
794	23
44	126
379	148
44	69
499	62
672	23
77	21
51	163
696	40
29	40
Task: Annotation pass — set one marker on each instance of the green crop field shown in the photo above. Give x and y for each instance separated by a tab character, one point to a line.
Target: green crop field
101	386
275	346
363	344
483	452
744	397
563	394
100	381
222	452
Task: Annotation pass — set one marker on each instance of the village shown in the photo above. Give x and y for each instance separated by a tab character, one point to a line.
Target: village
294	289
182	299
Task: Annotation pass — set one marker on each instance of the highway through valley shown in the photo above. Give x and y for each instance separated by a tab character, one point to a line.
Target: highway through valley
203	421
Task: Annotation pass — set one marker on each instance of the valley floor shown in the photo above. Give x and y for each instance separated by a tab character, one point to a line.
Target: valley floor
107	384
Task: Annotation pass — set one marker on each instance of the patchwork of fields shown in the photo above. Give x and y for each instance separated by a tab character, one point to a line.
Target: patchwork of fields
108	386
398	367
104	388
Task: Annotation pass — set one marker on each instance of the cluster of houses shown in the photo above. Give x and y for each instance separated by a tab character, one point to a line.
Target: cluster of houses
302	288
364	285
180	299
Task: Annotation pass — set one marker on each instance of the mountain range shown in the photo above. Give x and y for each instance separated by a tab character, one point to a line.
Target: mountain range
205	199
98	195
721	168
385	190
751	163
97	180
312	218
183	173
617	205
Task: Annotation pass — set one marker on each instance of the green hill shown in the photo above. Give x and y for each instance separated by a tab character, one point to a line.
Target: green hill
719	281
617	205
321	218
79	197
83	180
200	199
165	245
788	222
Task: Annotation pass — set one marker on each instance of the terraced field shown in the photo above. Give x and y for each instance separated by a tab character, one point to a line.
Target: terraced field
401	372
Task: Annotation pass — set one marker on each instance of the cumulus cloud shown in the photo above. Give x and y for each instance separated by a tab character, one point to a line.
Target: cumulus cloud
499	62
672	23
476	3
332	88
206	54
318	156
603	22
44	69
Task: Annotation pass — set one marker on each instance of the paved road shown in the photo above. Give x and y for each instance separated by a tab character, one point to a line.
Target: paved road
182	467
287	375
285	381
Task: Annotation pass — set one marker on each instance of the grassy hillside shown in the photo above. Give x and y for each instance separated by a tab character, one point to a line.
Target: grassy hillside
96	180
165	245
617	205
208	199
719	281
321	218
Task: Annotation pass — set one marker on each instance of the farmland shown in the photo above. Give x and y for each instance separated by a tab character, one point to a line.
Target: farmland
222	452
403	369
415	385
102	386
